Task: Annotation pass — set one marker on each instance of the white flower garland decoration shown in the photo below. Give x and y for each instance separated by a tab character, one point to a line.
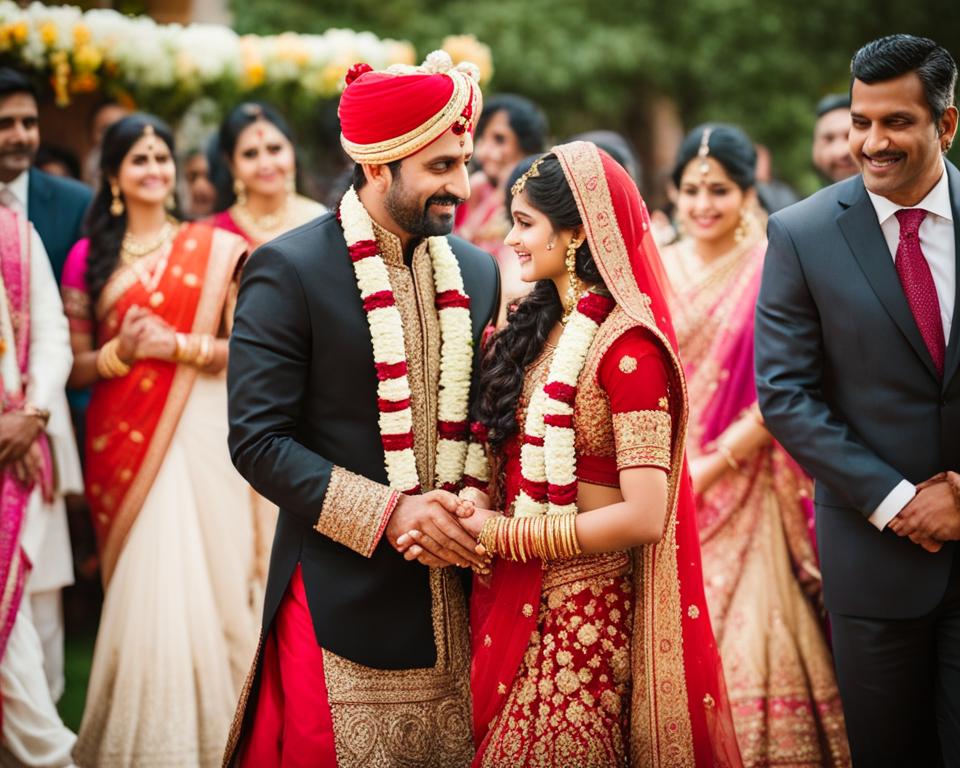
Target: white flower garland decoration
548	460
389	353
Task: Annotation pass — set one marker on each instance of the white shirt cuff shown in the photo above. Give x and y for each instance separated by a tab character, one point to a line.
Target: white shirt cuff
891	506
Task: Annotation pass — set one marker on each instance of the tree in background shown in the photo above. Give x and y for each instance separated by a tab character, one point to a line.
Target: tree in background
762	64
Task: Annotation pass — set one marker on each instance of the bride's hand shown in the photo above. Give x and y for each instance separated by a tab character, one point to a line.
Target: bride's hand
474	523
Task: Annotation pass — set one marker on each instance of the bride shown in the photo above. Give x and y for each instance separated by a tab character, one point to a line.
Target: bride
591	640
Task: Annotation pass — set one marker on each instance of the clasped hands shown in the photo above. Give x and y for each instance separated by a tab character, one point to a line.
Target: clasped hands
19	447
145	335
439	529
933	515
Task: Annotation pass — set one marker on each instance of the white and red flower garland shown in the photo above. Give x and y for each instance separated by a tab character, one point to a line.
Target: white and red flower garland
548	460
390	357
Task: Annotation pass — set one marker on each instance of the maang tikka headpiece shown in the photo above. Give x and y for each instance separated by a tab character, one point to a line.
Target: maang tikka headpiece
704	151
520	183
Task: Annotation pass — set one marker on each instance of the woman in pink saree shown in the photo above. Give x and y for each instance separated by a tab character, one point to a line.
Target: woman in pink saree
600	652
754	505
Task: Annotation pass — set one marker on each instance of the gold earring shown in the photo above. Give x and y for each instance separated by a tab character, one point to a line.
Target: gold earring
240	190
116	205
550	245
574	286
292	184
742	232
171	202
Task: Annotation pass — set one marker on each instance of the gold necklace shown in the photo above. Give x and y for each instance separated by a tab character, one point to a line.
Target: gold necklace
132	249
266	223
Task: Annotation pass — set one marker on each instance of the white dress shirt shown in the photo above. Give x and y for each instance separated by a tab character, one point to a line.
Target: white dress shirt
16	194
937	240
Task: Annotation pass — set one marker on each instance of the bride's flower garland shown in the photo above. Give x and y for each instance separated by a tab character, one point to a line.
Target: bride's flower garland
390	358
548	460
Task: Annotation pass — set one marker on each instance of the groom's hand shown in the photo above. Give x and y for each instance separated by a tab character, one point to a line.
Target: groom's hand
932	517
442	539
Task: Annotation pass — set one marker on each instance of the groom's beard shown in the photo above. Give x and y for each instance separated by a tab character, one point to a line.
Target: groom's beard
419	219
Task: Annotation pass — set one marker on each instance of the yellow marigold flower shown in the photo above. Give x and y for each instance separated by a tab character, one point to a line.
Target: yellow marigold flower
81	35
20	31
87	58
49	34
468	48
254	74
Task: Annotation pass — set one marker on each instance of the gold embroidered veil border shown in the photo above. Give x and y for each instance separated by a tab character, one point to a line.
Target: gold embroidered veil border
661	733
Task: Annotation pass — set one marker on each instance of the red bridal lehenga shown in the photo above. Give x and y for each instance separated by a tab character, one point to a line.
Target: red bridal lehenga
606	660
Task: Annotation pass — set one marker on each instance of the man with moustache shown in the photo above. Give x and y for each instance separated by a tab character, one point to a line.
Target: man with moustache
858	373
54	205
831	145
365	659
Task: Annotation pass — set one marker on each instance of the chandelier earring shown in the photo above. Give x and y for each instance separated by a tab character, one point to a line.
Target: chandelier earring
116	204
574	286
240	191
171	202
742	232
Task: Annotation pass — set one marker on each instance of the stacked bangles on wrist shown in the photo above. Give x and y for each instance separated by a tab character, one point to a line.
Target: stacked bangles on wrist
195	349
109	364
547	537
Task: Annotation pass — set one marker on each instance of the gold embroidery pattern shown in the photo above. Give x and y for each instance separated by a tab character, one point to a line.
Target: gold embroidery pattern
414	291
627	364
411	717
568	705
353	512
559	573
592	420
643	439
661	732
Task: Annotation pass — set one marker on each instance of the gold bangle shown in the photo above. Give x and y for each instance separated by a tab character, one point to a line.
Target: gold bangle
109	364
488	534
724	450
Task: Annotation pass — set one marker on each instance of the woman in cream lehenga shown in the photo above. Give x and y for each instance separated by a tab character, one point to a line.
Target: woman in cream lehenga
149	300
591	641
753	503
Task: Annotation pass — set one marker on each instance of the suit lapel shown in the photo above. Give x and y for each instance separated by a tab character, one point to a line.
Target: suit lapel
953	343
863	234
38	209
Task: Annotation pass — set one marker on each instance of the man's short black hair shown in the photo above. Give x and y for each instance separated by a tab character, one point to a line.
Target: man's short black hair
13	81
896	55
360	181
833	101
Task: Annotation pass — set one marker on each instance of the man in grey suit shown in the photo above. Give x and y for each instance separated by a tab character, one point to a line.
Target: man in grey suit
857	354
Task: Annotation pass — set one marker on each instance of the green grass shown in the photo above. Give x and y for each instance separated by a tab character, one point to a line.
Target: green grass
78	655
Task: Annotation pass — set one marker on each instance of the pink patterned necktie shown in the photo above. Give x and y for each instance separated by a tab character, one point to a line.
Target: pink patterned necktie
918	286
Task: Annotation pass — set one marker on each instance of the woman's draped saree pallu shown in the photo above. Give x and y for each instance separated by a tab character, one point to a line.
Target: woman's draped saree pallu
608	659
755	531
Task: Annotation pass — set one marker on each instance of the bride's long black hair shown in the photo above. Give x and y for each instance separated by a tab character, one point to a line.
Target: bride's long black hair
103	228
519	343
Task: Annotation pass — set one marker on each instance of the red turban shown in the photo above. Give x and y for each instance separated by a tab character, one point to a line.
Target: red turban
389	115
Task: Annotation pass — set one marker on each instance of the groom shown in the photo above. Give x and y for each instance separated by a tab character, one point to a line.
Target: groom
858	374
365	656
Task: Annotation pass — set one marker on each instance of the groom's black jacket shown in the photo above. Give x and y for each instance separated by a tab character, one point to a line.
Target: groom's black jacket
303	400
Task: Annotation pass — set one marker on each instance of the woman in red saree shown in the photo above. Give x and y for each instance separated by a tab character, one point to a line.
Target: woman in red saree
605	657
754	504
149	301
